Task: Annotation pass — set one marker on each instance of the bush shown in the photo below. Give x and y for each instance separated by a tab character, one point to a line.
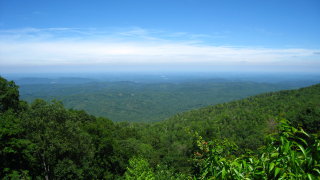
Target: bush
291	154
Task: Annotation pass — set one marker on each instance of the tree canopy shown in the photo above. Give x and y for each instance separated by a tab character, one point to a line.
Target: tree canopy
243	139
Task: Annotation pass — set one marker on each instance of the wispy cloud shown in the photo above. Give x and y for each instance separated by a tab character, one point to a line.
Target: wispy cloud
134	46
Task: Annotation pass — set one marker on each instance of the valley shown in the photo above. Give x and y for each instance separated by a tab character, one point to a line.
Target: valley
139	99
192	144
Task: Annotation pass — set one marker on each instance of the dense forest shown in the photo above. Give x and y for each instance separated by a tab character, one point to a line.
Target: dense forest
269	136
141	100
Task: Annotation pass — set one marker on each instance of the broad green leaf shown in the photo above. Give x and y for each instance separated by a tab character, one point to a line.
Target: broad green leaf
304	141
309	177
303	150
223	173
317	170
274	154
271	167
276	172
302	131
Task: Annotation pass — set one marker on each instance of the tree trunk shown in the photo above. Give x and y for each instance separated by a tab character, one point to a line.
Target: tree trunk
46	169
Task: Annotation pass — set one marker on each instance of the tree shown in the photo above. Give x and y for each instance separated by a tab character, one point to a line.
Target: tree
15	149
62	147
9	95
139	169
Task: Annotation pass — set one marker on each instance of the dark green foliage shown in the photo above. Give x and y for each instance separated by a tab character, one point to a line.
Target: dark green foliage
291	154
44	140
139	169
59	142
308	117
245	122
50	141
9	95
141	102
240	120
15	149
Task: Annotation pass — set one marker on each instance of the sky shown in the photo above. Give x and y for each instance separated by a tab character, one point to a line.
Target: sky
157	35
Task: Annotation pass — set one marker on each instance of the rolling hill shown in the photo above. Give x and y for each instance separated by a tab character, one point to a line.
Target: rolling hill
143	102
232	135
246	122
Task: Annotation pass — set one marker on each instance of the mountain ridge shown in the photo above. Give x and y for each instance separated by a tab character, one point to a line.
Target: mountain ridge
77	145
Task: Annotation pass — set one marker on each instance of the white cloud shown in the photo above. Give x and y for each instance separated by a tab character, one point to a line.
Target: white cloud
68	46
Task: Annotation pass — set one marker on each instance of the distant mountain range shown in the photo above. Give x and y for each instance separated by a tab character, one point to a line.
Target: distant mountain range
144	102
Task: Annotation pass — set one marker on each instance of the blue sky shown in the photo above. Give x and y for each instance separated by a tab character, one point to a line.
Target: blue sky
78	35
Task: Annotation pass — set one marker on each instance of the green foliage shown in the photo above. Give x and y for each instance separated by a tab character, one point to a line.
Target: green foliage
44	140
308	117
163	172
139	169
15	149
291	154
144	102
245	122
9	95
59	142
16	175
67	169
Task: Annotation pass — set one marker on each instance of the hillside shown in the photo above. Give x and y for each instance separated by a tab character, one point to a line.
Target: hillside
144	102
245	122
47	141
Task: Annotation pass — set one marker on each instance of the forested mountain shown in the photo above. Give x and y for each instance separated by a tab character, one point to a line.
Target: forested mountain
143	102
245	122
44	140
